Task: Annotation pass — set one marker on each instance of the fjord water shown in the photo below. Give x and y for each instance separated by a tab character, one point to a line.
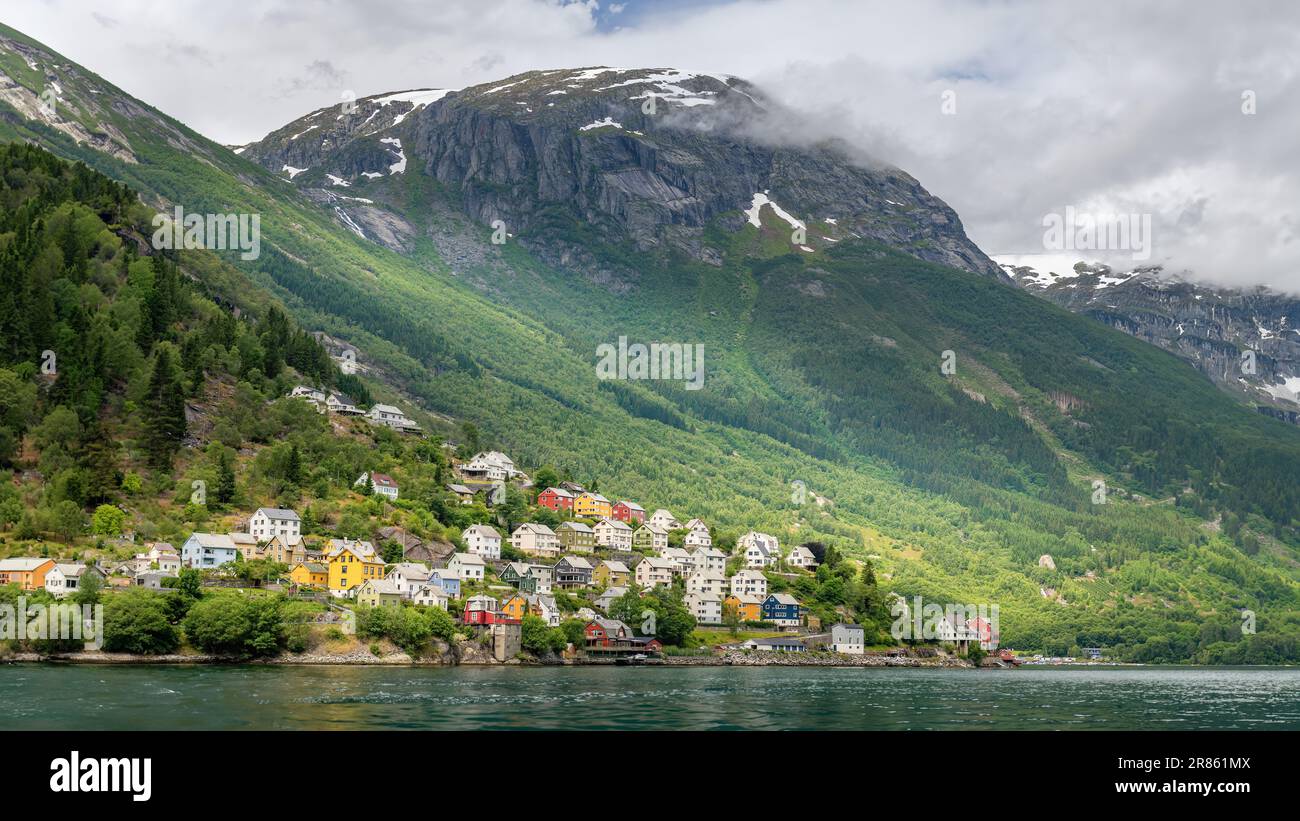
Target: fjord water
36	696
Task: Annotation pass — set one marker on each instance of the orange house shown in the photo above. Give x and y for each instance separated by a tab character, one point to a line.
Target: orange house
29	574
516	607
749	608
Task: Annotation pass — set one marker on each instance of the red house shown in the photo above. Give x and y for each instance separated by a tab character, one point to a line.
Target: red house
556	499
610	636
485	610
626	511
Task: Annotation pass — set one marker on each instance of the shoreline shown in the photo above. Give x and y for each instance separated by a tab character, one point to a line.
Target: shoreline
404	660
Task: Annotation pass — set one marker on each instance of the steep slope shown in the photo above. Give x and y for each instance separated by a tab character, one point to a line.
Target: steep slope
1212	328
822	364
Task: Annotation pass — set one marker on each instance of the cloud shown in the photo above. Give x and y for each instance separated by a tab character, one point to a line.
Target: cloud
1107	107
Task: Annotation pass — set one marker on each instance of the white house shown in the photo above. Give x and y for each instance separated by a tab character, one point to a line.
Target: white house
384	484
611	595
664	519
848	638
65	579
653	572
613	534
545	607
759	549
430	595
709	558
709	582
338	403
801	557
698	538
492	465
683	562
407	577
536	539
208	550
749	583
274	521
705	607
312	395
467	566
482	540
391	417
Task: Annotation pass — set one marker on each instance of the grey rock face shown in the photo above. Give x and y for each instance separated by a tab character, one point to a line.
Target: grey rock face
1218	330
646	156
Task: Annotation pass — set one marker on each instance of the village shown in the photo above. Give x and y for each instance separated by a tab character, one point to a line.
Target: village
592	567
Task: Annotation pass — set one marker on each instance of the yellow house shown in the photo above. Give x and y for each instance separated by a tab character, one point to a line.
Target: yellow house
591	505
310	575
612	574
285	550
516	607
750	608
351	564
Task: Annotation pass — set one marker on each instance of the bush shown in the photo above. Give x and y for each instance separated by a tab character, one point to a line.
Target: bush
136	621
229	624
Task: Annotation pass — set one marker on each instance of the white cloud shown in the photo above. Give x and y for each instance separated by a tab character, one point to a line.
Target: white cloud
1134	105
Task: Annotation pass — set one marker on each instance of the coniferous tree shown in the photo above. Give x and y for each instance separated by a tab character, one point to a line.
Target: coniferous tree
164	413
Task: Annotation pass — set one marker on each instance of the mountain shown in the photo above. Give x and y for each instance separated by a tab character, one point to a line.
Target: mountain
1246	342
878	387
647	157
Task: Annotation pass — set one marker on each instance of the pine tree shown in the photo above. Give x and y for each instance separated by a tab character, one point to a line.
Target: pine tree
225	479
293	471
164	413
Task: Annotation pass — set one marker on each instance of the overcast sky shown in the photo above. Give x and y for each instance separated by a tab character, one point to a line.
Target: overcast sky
1123	107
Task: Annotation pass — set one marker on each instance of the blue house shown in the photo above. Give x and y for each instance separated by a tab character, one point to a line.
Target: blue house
207	550
448	581
782	609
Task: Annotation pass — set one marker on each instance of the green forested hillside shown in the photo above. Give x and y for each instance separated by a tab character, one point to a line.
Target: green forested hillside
822	369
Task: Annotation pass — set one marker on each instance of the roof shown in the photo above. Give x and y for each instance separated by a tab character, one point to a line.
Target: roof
383	586
612	592
576	562
455	488
657	562
220	540
380	408
846	626
411	569
535	527
581	527
313	567
615	567
664	512
243	538
784	598
614	523
72	570
559	491
21	565
749	574
708	551
631	505
653	528
595	496
776	642
482	530
611	625
278	513
363	549
382	480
